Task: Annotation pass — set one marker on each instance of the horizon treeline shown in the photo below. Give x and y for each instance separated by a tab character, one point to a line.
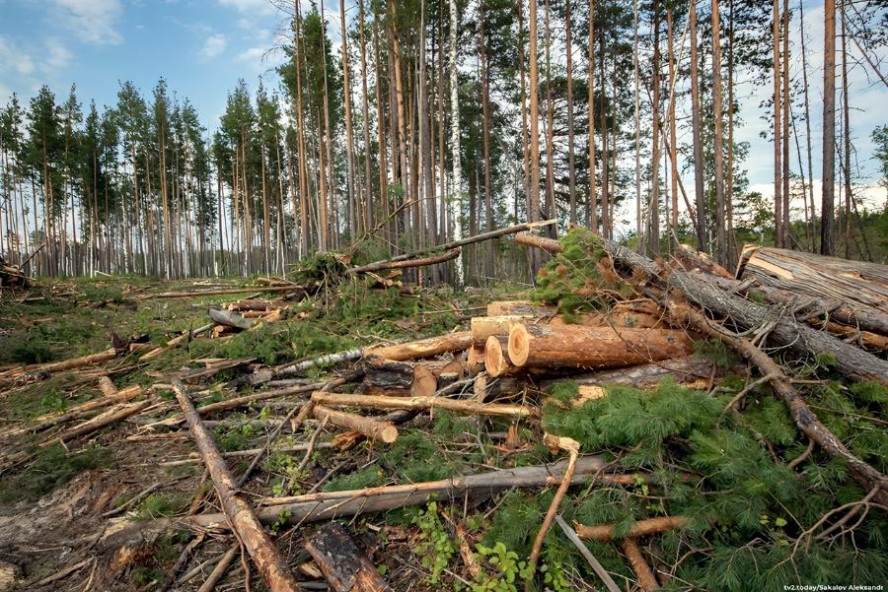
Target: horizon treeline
419	121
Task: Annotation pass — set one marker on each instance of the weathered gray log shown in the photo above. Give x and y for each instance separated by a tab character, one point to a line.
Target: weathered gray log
687	370
345	567
784	330
230	318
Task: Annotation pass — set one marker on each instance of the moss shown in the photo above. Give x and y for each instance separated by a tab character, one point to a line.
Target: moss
52	468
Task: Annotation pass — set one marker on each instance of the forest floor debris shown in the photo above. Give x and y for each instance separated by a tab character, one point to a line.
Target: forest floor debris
388	435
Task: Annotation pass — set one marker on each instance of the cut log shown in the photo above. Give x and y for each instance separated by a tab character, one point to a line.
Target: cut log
251	305
572	346
375	430
230	318
824	277
73	363
484	327
106	386
291	369
534	240
224	292
699	289
519	307
692	371
238	511
105	419
496	359
345	567
605	532
643	574
423	348
425	381
375	402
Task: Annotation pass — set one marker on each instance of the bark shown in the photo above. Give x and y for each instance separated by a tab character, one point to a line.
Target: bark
697	125
694	371
827	210
345	567
402	264
230	318
238	511
721	243
605	532
456	154
497	326
849	360
533	240
572	346
330	359
223	292
778	129
73	363
421	403
423	348
371	428
643	574
518	307
105	419
859	284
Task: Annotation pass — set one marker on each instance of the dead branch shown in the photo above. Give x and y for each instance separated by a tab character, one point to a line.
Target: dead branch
422	403
605	532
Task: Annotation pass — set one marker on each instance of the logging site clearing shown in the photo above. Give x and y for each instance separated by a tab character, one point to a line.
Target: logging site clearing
623	424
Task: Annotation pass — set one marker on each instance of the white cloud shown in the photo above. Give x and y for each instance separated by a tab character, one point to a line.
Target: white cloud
92	21
58	56
14	59
213	46
251	54
249	6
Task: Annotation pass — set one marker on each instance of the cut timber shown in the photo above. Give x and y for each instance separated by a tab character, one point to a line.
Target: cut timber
106	386
496	358
175	341
573	346
344	566
519	307
73	363
105	419
646	580
329	505
690	259
292	369
534	240
484	327
375	430
694	371
230	318
403	264
375	402
605	532
706	293
423	348
238	511
824	277
225	292
251	305
420	379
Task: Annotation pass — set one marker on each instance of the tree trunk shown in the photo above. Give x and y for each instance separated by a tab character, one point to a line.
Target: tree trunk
456	154
375	430
238	511
696	122
827	209
573	346
721	244
345	567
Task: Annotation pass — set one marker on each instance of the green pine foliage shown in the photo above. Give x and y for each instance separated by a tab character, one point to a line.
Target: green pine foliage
730	476
581	278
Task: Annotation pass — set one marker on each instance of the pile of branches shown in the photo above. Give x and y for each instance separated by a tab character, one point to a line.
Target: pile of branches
12	276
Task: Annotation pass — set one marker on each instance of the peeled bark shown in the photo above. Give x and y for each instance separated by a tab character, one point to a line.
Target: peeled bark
240	515
378	402
572	346
605	532
423	348
345	567
375	430
646	579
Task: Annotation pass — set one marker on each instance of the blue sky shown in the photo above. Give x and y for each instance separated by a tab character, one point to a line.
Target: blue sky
201	47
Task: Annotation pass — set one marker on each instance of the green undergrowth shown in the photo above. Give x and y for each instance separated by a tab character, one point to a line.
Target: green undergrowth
730	476
581	278
52	467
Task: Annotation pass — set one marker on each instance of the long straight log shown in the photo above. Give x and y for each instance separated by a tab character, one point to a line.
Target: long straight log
699	289
238	511
345	567
423	348
499	308
381	431
73	363
695	371
573	346
224	292
421	403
